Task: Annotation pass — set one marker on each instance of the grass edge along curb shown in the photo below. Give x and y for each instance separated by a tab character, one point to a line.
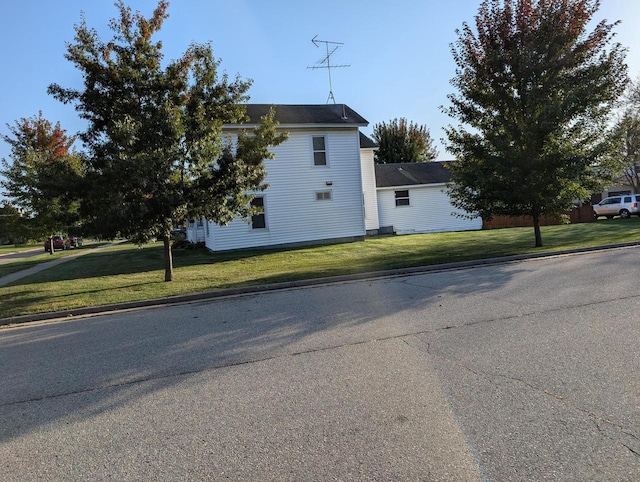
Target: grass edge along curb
227	292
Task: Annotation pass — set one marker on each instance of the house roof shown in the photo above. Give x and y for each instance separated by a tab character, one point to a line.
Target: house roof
313	114
412	173
367	142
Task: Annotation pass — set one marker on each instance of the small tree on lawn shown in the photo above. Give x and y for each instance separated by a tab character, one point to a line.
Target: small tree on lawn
156	155
534	89
42	177
401	142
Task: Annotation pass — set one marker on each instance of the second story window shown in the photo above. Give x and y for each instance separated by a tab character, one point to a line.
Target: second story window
323	195
319	151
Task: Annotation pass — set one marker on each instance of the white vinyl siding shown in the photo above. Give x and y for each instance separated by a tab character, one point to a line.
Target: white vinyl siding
369	193
294	215
430	211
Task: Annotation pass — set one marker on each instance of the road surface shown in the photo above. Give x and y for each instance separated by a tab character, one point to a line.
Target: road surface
518	371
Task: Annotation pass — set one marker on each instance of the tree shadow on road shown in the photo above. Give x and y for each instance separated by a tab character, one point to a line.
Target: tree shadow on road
52	365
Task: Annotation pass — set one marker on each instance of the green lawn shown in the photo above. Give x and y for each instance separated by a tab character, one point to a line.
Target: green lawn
128	273
12	248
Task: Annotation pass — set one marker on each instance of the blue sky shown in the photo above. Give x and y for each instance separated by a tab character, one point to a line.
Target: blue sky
398	51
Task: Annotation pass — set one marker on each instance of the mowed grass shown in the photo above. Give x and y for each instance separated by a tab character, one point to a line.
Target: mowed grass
128	273
12	248
10	264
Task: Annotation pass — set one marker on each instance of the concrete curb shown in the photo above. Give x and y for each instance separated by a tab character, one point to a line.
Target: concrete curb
230	292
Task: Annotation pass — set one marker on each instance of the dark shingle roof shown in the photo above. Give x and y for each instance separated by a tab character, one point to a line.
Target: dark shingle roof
366	142
339	114
412	173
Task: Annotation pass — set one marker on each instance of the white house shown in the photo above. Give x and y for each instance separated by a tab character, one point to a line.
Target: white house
412	198
315	192
324	187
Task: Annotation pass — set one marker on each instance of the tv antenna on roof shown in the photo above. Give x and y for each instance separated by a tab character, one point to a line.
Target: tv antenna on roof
325	62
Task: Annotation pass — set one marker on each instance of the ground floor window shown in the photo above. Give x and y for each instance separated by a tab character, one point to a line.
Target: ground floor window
402	198
258	220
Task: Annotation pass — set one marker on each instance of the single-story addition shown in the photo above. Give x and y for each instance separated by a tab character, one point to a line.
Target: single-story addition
315	192
412	198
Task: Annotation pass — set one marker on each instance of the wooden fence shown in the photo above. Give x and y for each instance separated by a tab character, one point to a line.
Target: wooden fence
581	214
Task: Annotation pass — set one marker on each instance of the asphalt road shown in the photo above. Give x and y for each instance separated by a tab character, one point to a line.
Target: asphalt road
519	371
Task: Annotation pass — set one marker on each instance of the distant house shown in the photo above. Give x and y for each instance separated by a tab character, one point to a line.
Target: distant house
315	192
412	198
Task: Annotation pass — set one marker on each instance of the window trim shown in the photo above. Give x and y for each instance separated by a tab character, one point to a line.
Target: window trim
324	151
400	200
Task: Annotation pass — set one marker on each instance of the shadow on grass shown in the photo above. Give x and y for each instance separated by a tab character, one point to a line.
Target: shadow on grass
20	300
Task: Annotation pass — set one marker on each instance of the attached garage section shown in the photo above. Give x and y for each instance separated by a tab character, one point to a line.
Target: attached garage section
412	198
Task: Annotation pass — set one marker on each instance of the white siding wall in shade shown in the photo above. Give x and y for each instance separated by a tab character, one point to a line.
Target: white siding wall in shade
430	211
195	231
292	213
369	189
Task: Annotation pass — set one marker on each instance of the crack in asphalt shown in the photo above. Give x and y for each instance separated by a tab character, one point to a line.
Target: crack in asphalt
490	377
403	337
485	295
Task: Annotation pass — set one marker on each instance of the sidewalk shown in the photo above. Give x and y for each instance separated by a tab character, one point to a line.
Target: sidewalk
10	278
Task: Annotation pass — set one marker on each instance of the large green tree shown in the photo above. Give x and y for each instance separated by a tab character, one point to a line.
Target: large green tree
13	226
155	150
42	177
535	88
399	141
624	161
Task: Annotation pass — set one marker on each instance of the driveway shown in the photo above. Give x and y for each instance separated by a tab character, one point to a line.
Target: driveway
519	371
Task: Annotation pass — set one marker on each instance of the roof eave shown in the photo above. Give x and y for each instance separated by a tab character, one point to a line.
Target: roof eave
409	186
298	126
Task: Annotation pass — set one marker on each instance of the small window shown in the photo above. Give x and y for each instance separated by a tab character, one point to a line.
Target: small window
319	151
323	195
258	220
402	198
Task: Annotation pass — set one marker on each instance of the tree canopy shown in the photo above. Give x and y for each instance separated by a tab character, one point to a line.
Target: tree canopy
155	150
535	89
42	177
624	161
401	142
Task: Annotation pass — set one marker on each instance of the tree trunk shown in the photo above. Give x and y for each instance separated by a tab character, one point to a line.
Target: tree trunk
51	250
168	260
536	227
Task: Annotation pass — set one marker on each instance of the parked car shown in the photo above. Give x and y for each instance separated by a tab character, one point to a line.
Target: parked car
58	243
75	241
624	206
